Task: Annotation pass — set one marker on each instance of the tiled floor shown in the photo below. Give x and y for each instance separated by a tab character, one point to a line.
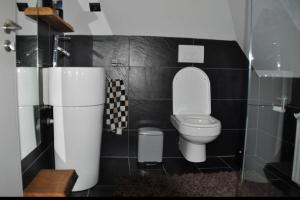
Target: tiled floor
112	168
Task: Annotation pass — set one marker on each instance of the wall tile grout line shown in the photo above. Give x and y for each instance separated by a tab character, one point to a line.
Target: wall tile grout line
170	99
121	157
240	68
129	166
225	163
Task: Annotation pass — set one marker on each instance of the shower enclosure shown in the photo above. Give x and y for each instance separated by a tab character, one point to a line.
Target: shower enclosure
272	137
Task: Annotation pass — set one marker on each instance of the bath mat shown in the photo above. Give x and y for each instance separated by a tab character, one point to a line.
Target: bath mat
221	184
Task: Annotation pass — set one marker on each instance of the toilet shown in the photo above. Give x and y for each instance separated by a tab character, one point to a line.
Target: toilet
191	113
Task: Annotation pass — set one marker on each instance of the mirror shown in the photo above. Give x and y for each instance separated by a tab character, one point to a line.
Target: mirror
28	79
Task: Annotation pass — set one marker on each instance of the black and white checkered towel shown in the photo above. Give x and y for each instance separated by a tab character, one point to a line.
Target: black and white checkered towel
116	106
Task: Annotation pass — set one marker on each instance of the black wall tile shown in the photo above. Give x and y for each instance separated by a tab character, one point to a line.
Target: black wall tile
222	54
156	112
171	139
26	52
81	49
156	51
44	44
151	82
289	125
231	113
114	145
109	48
133	143
228	83
295	93
226	144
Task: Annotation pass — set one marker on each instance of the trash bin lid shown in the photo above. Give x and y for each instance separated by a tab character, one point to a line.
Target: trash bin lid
150	131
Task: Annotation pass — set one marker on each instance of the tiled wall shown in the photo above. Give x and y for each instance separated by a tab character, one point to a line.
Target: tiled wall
148	65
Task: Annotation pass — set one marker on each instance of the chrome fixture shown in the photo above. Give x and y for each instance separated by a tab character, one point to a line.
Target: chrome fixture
9	46
57	48
9	26
32	51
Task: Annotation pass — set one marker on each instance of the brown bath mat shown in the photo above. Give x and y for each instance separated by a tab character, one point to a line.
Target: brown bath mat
221	184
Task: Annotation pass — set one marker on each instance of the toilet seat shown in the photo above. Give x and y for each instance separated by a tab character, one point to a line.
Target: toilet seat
198	121
196	125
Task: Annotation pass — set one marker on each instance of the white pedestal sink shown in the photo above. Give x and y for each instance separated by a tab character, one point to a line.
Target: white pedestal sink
77	95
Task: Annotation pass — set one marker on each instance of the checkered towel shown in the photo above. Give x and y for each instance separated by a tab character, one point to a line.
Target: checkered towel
116	106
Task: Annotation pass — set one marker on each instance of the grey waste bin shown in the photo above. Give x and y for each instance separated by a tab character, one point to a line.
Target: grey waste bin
150	145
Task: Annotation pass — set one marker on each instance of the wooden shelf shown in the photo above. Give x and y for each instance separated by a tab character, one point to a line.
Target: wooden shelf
49	16
51	183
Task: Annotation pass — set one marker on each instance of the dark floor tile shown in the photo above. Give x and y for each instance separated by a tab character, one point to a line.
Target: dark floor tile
134	165
231	113
211	162
283	170
222	54
270	175
114	145
79	194
228	83
286	188
111	169
110	51
232	162
156	112
215	170
179	166
102	191
147	172
156	51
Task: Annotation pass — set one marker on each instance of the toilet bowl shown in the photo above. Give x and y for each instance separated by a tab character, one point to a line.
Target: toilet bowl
191	113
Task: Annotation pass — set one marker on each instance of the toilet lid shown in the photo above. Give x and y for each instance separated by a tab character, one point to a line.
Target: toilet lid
191	92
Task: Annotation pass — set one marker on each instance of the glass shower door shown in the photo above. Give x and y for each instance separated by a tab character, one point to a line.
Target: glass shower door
271	149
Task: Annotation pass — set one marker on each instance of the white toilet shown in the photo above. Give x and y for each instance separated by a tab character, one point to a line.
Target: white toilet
191	113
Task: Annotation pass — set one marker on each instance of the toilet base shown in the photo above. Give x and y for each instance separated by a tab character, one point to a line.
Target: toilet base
192	152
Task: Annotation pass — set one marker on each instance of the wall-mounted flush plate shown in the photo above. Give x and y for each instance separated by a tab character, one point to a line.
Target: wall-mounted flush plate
95	7
190	54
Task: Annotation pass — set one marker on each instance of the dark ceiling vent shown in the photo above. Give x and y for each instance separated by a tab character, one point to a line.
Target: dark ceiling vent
95	7
22	6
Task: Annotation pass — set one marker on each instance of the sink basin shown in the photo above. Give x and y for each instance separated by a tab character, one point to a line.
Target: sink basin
76	86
